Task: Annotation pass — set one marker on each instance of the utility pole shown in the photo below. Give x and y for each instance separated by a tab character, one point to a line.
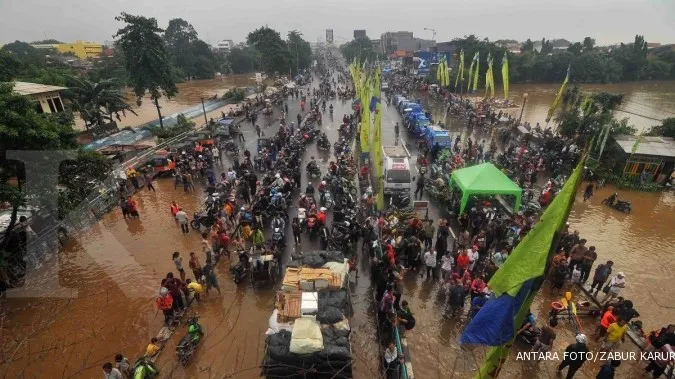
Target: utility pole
159	112
206	122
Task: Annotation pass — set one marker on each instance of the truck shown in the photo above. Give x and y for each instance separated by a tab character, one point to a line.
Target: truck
396	170
417	123
435	134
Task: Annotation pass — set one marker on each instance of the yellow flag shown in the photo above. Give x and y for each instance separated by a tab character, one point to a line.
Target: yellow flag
556	101
505	75
475	74
460	69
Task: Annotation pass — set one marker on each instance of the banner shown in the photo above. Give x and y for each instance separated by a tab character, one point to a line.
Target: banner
475	75
489	79
505	76
377	141
556	101
365	114
471	68
460	69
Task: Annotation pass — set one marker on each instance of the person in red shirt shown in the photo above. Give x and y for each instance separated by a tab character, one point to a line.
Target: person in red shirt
607	319
321	216
364	171
463	261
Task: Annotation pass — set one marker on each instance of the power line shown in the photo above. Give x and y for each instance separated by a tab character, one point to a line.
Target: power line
637	114
649	106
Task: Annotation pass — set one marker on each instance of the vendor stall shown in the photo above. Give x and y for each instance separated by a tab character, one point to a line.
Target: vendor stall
484	179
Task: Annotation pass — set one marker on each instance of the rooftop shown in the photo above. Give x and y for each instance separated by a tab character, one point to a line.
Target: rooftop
655	146
25	88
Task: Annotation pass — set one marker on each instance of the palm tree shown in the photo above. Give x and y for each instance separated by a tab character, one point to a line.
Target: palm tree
98	103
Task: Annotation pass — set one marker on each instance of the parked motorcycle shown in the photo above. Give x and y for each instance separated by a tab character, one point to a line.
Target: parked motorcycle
145	369
188	344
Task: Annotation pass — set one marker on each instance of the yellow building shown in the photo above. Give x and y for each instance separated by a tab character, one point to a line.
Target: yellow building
81	49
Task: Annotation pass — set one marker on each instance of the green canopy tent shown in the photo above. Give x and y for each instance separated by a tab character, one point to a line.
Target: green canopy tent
484	179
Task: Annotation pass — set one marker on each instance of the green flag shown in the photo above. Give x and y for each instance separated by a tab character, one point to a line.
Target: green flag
556	101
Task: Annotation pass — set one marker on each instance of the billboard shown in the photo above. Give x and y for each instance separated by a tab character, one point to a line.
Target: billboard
423	61
329	35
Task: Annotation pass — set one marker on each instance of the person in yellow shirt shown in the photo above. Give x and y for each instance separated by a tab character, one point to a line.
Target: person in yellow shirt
616	333
194	287
152	348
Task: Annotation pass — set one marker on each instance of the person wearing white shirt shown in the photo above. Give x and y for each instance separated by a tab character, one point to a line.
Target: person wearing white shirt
499	258
473	257
614	287
109	372
446	266
391	360
216	154
430	262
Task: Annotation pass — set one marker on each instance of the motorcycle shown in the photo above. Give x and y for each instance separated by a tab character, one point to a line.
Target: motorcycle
145	369
278	238
188	344
529	336
400	200
240	269
199	219
231	148
259	164
313	171
327	199
620	205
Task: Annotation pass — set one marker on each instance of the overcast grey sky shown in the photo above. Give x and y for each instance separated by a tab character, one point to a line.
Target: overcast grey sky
609	21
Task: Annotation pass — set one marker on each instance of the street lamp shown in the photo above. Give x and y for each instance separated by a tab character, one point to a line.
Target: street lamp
523	107
433	35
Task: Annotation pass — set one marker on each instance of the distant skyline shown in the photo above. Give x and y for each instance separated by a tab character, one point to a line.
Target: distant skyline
608	21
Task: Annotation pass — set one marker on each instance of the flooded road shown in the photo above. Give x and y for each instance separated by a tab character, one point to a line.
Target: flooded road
72	338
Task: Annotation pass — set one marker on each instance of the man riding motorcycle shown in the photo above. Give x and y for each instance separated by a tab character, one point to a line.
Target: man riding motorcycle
278	181
278	222
322	190
612	199
331	109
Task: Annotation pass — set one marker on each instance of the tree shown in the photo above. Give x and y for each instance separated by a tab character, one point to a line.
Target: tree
97	103
203	64
147	59
274	55
179	36
360	48
528	46
110	68
300	51
588	44
22	128
46	42
9	67
666	129
546	47
576	48
243	59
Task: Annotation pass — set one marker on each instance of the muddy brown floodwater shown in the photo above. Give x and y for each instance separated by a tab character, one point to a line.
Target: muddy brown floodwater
189	93
72	338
